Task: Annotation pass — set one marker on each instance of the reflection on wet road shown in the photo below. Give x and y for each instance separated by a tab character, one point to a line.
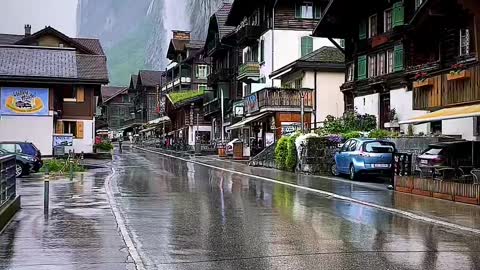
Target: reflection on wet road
186	216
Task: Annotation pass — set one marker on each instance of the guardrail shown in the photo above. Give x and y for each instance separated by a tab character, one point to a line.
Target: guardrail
7	179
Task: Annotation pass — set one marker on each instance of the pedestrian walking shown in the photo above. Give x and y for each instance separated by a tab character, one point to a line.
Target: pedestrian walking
120	141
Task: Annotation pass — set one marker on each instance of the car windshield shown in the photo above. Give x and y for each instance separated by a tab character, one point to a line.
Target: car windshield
433	151
378	147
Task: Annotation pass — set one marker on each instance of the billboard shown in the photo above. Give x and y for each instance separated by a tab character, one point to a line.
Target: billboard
24	101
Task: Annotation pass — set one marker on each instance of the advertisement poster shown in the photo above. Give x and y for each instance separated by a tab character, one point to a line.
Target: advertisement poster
288	128
269	139
251	103
62	140
24	101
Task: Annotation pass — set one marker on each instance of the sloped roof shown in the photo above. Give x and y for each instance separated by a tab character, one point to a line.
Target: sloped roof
43	63
90	45
133	81
195	44
109	92
326	58
150	77
221	15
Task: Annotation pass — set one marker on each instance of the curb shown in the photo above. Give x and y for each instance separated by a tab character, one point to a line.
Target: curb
333	195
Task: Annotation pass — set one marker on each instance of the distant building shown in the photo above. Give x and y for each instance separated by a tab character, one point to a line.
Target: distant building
49	84
117	107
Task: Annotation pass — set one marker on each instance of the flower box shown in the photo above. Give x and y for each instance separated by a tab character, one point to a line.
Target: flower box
422	83
458	75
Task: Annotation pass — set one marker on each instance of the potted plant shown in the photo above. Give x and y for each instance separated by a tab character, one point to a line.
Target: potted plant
458	72
421	80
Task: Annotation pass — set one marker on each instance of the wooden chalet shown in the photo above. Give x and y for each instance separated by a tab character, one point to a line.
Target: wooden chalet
50	84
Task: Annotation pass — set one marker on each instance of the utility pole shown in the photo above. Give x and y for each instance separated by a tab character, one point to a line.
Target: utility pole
302	105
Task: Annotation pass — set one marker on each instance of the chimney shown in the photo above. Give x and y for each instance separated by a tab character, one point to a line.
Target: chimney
28	30
181	35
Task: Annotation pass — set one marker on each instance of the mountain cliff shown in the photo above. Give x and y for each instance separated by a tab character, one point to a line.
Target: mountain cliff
135	33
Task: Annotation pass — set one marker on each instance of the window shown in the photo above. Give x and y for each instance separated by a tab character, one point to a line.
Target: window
202	71
372	26
379	147
350	72
353	146
372	66
10	148
346	145
304	10
70	95
70	128
477	126
306	44
418	3
381	64
387	20
436	127
389	61
464	42
202	87
362	29
262	51
298	83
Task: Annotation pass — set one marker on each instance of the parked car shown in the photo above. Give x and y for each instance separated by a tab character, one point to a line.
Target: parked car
364	156
24	149
452	154
24	163
229	149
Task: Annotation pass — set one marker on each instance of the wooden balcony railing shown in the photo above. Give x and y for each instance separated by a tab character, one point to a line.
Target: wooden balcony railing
279	99
249	34
220	75
249	71
448	90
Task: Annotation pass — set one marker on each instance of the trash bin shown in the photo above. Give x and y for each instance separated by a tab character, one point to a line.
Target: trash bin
238	151
222	153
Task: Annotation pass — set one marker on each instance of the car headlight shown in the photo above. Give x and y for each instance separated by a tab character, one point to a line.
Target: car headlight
30	158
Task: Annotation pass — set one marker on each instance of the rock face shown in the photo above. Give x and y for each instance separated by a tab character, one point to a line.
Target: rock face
135	33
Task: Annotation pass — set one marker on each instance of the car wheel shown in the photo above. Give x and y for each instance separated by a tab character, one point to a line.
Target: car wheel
352	175
19	170
334	170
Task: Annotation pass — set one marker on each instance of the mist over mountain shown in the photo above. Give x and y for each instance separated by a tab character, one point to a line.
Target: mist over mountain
135	33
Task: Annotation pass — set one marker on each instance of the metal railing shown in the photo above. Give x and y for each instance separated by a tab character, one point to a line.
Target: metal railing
7	179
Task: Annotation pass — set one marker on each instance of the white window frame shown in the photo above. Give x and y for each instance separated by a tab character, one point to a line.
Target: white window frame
387	24
202	71
372	66
204	86
304	10
381	63
464	45
389	61
370	32
351	72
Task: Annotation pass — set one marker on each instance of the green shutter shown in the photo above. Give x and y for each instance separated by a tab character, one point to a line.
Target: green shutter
306	45
298	11
362	67
362	29
398	58
318	11
398	14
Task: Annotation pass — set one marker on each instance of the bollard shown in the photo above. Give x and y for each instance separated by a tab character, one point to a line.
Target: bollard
71	170
46	196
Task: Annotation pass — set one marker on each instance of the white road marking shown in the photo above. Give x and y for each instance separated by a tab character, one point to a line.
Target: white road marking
326	193
132	250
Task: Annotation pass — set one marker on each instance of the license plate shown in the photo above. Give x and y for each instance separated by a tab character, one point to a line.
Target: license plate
382	165
424	161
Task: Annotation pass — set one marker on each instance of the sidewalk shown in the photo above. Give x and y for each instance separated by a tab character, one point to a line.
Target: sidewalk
462	215
80	231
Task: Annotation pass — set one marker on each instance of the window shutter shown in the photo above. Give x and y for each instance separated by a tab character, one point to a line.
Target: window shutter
362	29
362	67
318	11
306	45
398	58
80	131
298	11
59	127
398	14
80	94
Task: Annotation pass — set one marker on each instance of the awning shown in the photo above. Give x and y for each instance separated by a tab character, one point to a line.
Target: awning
147	130
159	120
446	114
246	121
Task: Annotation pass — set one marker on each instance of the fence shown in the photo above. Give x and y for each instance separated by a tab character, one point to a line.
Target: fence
407	182
7	179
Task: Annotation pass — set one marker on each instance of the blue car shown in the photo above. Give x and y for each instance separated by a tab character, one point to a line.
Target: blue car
364	156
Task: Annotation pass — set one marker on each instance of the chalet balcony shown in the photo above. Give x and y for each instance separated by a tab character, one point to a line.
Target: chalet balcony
449	88
427	67
214	106
249	72
213	46
220	75
249	34
279	99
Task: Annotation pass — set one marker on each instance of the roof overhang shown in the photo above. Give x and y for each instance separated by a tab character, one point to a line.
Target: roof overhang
246	121
446	114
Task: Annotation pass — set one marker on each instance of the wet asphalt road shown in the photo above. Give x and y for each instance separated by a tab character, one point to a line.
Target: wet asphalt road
186	216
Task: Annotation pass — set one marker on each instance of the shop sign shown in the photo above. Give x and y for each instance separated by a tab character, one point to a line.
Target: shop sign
251	103
290	128
24	101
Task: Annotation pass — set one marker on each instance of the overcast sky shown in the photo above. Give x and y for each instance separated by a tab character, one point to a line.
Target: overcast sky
60	14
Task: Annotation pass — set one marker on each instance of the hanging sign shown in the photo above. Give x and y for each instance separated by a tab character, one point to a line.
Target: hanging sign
24	101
